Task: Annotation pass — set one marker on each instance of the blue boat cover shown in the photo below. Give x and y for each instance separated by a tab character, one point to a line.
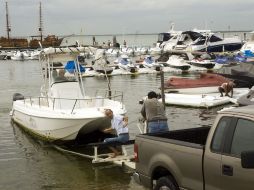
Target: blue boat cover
124	61
70	67
149	60
248	53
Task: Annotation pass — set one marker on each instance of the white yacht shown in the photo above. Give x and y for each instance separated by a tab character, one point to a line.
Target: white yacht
202	40
64	107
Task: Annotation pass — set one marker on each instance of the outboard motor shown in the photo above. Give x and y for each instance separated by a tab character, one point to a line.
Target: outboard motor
158	68
133	69
17	96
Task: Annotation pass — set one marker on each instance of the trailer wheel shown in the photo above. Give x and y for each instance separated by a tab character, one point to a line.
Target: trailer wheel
165	183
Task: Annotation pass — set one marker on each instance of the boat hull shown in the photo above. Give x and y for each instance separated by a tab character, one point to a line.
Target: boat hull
181	67
197	90
50	129
204	65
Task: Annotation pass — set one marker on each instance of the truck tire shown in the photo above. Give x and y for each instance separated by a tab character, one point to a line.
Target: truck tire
165	183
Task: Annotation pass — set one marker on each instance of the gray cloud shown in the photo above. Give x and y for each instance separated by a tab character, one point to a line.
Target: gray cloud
125	16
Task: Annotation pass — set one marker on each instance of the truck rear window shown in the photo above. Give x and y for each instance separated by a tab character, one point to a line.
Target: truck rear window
219	135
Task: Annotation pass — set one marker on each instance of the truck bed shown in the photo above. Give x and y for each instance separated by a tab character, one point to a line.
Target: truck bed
192	135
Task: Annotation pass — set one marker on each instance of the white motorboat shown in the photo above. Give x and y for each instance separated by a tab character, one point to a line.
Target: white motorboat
177	62
126	64
64	108
149	62
3	55
155	50
100	63
127	51
208	64
19	56
166	39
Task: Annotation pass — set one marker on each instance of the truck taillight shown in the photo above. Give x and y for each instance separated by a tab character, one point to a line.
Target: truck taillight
136	152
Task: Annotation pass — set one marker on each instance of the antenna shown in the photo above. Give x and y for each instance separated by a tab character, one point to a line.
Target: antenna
40	22
172	26
8	28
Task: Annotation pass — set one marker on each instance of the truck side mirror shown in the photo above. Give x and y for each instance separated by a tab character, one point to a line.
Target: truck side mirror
247	159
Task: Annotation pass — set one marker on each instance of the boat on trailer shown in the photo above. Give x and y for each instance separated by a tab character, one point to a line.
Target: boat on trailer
63	109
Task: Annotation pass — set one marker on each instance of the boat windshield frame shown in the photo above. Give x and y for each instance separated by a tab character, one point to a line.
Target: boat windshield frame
49	56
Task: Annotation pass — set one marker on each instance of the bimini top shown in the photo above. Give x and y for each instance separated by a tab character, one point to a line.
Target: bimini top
51	50
64	54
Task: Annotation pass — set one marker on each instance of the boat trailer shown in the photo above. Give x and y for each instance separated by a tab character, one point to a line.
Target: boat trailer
96	157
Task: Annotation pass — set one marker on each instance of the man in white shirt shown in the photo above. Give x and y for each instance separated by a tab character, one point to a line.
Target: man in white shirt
118	123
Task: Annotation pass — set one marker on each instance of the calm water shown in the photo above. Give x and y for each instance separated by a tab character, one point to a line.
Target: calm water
26	163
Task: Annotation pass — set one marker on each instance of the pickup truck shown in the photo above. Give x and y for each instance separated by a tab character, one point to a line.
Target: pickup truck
205	158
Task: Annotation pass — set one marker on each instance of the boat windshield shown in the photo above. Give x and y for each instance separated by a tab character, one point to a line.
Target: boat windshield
214	38
162	37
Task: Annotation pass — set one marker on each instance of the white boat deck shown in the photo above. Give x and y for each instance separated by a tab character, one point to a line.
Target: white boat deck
203	100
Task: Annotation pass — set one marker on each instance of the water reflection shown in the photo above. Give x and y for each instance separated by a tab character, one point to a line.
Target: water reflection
51	169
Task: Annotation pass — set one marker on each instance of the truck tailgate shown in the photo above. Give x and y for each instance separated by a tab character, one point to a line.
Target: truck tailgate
181	159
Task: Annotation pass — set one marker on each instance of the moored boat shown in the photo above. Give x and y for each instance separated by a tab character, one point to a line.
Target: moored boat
208	64
100	63
177	62
206	83
64	108
126	64
203	100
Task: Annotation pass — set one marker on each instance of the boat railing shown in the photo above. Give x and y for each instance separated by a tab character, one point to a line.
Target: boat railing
72	104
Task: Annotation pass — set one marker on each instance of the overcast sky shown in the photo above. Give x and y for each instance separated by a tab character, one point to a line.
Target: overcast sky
63	17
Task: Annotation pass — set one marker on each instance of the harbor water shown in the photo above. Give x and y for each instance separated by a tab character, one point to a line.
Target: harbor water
29	164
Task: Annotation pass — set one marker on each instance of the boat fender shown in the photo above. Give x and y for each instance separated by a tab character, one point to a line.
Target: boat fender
18	96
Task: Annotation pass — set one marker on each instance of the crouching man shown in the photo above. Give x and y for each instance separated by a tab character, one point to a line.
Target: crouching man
227	88
118	123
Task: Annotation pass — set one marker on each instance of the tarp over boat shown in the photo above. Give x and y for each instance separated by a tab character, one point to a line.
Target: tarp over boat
242	74
205	80
71	67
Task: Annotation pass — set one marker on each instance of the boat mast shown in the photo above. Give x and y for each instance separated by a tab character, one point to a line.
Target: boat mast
40	23
8	28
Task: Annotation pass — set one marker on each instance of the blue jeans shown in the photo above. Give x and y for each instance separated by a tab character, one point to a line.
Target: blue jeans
157	126
121	138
